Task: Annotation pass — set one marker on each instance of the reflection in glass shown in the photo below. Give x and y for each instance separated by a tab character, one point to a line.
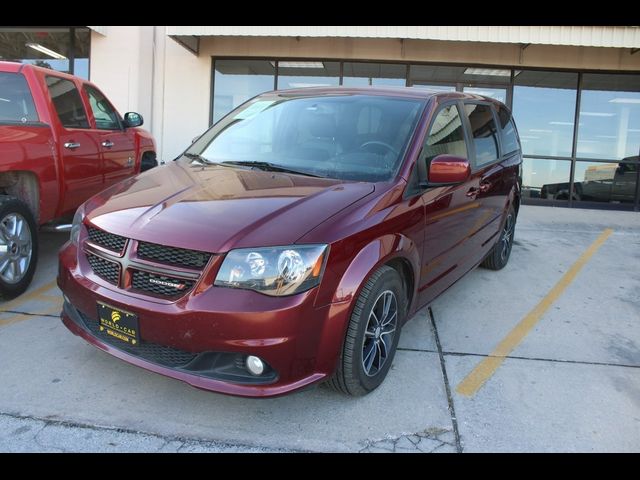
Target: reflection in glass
485	133
308	74
363	74
435	75
606	182
609	117
45	47
460	76
499	94
546	179
544	108
236	81
437	88
81	54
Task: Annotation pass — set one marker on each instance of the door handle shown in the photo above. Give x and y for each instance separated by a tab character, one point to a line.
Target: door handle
473	192
107	144
485	186
71	145
129	162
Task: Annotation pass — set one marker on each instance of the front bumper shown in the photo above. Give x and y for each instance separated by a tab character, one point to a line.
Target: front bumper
199	338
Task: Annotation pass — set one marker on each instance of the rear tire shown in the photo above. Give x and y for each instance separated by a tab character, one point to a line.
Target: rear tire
372	335
18	247
499	255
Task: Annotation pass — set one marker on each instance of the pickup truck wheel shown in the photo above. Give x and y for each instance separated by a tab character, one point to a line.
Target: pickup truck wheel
18	247
372	335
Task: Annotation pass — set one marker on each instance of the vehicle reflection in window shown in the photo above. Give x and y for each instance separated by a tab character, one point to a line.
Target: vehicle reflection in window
599	182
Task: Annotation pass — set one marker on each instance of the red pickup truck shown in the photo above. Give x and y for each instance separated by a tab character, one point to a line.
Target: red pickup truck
61	141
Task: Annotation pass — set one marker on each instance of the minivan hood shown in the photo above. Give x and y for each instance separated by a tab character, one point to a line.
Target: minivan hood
217	208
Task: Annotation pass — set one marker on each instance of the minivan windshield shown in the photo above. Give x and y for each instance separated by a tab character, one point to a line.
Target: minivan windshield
347	137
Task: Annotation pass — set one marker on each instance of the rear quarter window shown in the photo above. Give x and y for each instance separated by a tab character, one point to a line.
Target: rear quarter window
510	141
16	102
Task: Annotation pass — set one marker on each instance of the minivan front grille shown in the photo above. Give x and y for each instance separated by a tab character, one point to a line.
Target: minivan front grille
180	257
109	271
144	267
107	240
160	285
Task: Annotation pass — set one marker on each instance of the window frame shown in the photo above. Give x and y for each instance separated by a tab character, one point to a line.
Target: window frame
53	105
85	91
474	165
413	184
506	154
38	121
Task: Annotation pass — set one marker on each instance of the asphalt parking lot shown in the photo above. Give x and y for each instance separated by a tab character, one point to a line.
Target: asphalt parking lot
541	356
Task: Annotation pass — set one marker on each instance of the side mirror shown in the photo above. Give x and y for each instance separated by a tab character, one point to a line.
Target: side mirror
133	119
445	170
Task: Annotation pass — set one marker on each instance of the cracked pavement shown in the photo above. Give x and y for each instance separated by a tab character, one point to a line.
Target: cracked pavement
573	383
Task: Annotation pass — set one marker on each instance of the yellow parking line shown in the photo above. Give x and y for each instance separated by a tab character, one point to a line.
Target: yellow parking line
19	317
483	371
27	296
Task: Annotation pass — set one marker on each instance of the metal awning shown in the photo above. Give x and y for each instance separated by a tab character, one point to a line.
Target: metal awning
583	36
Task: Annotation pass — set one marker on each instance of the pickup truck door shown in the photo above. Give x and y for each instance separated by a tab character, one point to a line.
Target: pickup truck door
78	148
117	145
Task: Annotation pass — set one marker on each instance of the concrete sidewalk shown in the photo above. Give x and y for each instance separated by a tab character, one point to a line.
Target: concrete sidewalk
571	384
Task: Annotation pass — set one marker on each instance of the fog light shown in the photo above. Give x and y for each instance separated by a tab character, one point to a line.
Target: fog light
255	365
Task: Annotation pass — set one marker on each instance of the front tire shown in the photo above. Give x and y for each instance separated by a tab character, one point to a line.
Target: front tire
18	247
372	335
499	255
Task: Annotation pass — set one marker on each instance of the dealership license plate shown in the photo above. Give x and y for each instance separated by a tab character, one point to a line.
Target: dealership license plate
119	324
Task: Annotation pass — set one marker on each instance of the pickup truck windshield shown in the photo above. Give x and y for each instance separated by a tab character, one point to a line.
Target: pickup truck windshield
16	104
347	137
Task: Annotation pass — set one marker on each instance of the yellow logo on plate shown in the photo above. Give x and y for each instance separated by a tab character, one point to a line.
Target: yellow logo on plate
115	316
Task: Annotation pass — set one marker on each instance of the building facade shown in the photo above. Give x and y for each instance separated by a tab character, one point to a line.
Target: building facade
574	91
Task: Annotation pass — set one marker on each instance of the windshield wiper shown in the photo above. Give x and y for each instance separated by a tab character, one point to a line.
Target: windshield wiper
268	167
198	158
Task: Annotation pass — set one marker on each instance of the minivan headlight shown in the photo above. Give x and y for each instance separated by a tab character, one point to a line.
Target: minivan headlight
275	271
77	225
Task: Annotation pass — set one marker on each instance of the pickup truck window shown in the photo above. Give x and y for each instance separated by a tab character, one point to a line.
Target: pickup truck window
16	103
104	114
67	102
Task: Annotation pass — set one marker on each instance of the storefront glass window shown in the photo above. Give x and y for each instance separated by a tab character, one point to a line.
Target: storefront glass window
300	74
49	47
606	182
81	52
499	94
544	106
545	179
236	81
609	117
363	74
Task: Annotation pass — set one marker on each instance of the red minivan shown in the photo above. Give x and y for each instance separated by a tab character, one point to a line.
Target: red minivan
290	243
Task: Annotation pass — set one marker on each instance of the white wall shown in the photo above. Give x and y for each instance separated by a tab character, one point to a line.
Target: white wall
141	69
187	97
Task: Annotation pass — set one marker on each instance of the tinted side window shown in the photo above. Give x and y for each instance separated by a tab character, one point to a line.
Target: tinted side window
16	103
446	135
67	102
104	114
509	136
485	135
